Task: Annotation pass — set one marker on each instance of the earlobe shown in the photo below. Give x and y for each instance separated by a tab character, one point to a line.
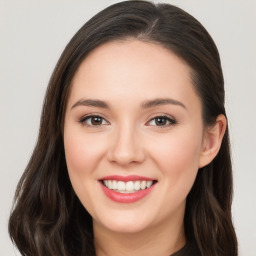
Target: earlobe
212	140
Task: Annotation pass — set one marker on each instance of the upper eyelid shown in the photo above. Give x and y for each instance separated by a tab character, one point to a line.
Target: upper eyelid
92	115
162	115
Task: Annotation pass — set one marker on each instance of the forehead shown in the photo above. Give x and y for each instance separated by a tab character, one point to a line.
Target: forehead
132	70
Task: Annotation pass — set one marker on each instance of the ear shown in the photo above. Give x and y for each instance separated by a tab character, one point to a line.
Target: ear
212	140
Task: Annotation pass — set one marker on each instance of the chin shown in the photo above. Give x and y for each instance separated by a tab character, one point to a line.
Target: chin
124	222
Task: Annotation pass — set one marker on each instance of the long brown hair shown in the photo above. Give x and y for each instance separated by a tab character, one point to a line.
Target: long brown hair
47	217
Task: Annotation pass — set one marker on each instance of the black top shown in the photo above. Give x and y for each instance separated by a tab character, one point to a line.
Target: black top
189	249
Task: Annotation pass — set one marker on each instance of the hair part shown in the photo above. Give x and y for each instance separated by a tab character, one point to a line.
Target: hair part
47	217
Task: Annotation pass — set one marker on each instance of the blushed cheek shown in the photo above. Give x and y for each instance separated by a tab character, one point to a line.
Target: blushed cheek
179	159
83	155
80	165
74	155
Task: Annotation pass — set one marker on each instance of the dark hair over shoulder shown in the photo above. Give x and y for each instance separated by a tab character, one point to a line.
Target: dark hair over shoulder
47	217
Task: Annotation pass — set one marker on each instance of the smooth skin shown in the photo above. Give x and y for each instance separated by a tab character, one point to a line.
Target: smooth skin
133	110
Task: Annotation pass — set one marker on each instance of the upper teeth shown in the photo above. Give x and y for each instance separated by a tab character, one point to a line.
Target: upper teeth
127	187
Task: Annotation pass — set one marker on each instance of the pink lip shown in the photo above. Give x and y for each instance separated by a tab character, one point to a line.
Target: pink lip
123	197
125	178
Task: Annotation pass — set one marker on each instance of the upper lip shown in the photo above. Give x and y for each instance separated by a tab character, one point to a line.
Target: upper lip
126	178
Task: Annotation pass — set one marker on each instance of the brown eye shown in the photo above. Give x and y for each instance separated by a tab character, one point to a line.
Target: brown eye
93	121
96	120
162	121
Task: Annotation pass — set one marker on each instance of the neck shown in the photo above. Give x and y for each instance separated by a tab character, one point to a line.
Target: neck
160	240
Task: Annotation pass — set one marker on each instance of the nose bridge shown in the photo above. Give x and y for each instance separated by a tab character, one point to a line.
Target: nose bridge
126	147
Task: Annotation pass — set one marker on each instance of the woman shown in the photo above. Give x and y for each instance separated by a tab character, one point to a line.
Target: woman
133	153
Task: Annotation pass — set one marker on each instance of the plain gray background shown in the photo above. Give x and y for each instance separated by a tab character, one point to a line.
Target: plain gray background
33	34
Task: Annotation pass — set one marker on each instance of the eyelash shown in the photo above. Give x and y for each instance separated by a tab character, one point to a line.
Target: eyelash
85	118
167	118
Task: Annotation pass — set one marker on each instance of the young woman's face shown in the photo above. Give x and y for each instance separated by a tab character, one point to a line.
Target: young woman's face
133	136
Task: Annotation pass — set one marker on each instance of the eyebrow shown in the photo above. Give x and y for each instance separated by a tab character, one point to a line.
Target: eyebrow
144	105
91	103
161	101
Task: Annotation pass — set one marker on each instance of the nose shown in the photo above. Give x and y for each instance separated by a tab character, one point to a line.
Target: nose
126	147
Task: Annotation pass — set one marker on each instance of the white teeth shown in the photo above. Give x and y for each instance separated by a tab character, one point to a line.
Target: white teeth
120	185
110	184
137	185
127	187
114	184
149	183
143	184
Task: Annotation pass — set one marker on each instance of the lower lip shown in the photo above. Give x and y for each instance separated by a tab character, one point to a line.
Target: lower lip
126	198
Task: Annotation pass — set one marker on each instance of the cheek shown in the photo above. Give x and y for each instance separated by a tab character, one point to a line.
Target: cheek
82	152
82	157
178	158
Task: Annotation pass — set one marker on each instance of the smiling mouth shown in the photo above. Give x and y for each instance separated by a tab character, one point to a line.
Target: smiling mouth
129	186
